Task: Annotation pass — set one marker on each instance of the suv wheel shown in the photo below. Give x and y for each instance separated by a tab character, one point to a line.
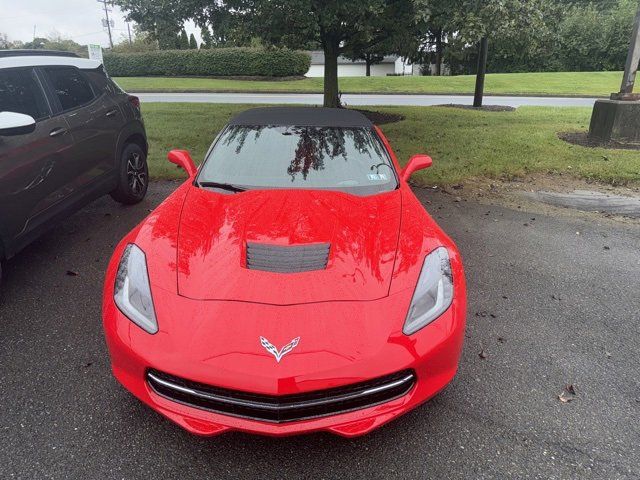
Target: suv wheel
134	175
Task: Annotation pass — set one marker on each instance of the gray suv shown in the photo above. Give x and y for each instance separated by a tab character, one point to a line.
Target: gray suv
68	135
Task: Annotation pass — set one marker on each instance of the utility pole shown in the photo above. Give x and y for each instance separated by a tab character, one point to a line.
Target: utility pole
617	119
129	31
631	66
106	14
34	32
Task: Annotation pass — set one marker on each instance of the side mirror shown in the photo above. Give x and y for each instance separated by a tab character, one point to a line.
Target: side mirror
417	162
12	123
184	161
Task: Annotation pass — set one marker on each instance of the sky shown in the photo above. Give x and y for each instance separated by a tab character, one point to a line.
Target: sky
79	20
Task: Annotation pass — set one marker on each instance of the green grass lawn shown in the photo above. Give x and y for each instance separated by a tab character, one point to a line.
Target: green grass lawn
558	83
463	143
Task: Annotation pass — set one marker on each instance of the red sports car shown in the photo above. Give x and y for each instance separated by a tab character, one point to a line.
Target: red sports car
293	284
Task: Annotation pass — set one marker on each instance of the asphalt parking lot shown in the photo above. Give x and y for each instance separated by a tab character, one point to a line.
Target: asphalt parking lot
553	301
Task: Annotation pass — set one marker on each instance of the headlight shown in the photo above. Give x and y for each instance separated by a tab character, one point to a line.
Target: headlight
434	292
132	292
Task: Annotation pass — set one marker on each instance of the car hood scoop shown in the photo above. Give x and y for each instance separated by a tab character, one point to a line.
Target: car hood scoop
287	246
287	259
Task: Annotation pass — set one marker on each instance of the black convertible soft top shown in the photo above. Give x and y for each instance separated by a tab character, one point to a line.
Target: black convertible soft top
302	117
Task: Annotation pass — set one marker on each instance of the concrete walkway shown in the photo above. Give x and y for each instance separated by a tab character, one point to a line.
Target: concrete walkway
364	99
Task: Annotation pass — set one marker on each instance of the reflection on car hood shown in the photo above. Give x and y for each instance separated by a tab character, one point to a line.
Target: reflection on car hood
362	233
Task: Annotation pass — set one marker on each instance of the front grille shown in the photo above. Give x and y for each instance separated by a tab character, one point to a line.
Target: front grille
287	258
283	408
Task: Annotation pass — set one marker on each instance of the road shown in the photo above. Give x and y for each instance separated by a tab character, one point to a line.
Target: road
363	99
549	306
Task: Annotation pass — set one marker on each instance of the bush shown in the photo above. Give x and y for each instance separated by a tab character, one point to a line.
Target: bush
210	62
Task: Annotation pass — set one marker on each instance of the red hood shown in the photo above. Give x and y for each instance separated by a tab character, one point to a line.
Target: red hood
215	228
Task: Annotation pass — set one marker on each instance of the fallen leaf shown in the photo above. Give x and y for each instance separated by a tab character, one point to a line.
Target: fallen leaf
569	388
564	398
606	247
482	355
72	273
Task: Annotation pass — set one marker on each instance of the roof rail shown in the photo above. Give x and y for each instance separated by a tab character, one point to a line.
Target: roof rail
36	53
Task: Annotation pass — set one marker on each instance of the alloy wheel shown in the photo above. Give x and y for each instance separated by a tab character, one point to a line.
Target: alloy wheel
136	174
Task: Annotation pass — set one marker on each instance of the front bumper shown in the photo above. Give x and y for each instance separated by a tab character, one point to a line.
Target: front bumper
332	353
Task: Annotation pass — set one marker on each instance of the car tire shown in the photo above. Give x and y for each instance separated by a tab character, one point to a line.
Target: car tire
133	177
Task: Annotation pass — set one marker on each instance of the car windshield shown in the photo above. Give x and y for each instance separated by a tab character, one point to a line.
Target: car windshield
351	160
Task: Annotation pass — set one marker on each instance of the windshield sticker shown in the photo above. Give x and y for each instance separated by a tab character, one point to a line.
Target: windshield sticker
377	177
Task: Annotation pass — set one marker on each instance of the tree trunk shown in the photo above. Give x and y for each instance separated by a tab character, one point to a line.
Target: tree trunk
439	52
367	61
482	69
331	74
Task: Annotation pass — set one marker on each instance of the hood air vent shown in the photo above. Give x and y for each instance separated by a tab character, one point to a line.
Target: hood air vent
287	259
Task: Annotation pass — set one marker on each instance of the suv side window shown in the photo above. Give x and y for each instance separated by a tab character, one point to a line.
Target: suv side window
70	87
20	92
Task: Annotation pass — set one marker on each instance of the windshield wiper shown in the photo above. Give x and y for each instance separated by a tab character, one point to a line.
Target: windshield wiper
222	186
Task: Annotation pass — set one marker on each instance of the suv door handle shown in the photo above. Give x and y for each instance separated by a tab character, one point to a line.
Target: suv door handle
111	113
57	131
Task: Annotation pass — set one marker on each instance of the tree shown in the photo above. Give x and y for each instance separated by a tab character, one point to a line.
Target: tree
476	21
4	41
207	38
183	40
193	45
38	43
142	42
553	35
337	26
222	24
54	41
595	39
162	20
383	38
433	32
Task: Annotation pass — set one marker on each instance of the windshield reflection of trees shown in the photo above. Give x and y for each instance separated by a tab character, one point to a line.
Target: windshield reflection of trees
315	145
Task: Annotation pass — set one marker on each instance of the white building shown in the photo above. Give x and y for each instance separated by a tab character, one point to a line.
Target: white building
390	65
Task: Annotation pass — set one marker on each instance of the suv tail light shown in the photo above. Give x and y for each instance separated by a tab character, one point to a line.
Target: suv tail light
135	101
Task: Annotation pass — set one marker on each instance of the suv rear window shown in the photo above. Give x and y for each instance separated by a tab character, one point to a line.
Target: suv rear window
21	93
70	86
101	81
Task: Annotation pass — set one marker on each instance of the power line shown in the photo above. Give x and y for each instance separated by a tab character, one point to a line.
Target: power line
85	34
